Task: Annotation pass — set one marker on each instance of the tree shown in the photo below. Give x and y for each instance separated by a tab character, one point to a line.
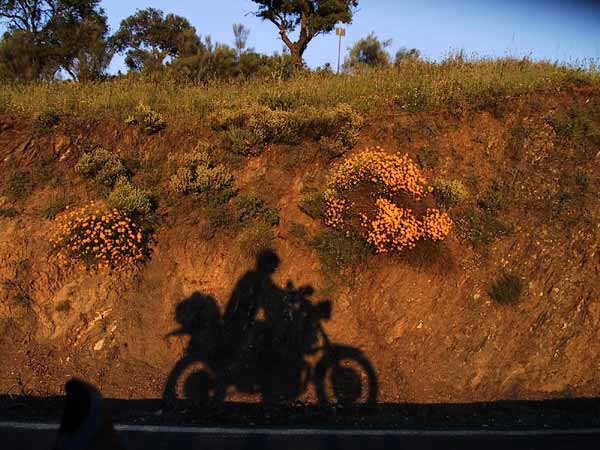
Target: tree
368	51
149	38
53	35
240	34
313	17
404	54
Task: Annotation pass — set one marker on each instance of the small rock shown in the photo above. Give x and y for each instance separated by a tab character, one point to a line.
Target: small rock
556	290
397	331
420	325
99	345
476	296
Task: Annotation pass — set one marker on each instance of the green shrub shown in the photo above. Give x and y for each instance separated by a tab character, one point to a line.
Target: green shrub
298	231
337	251
336	129
253	207
255	238
102	165
149	120
347	124
197	174
239	141
129	198
506	289
332	147
481	228
449	192
313	205
271	216
246	130
8	212
49	118
281	100
428	158
56	207
19	184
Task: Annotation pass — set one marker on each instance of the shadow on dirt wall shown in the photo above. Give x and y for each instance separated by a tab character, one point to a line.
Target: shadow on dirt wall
269	342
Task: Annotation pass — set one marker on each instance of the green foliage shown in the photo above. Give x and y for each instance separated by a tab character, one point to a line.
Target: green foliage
449	192
239	141
253	207
149	120
507	289
337	251
246	130
49	118
481	228
148	37
8	212
338	129
57	206
280	100
298	231
19	184
197	174
405	55
578	125
45	36
368	52
495	198
255	238
314	17
313	205
102	165
129	198
428	158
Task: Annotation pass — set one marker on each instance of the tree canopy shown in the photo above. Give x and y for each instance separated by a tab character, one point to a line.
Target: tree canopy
368	51
46	36
148	37
312	17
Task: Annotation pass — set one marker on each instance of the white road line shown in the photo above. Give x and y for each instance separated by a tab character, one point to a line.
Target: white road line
310	432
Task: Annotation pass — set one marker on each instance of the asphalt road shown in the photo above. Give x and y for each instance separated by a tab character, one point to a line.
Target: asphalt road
21	436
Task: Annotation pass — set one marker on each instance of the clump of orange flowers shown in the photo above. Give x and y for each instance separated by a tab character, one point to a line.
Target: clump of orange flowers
385	225
390	174
436	224
392	228
96	238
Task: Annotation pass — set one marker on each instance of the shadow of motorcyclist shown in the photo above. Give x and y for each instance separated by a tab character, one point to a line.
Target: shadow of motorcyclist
261	343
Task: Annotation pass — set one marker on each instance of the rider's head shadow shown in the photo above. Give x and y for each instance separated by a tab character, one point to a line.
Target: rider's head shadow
267	262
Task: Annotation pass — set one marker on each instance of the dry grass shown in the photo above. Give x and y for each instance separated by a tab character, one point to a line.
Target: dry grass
454	83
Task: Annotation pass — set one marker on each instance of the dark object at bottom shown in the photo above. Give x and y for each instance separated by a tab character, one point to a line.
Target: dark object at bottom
86	423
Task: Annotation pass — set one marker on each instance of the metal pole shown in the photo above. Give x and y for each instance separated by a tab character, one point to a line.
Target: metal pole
339	54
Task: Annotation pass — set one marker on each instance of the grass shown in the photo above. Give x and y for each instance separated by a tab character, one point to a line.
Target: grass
19	184
55	207
338	252
506	289
453	83
8	213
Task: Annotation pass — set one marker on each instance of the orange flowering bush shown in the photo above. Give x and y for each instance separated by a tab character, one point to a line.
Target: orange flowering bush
392	228
389	181
98	238
389	174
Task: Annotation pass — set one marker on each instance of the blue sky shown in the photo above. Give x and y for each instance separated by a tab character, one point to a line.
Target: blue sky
563	30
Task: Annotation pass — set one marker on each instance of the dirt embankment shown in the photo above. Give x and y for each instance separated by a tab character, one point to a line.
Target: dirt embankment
424	321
